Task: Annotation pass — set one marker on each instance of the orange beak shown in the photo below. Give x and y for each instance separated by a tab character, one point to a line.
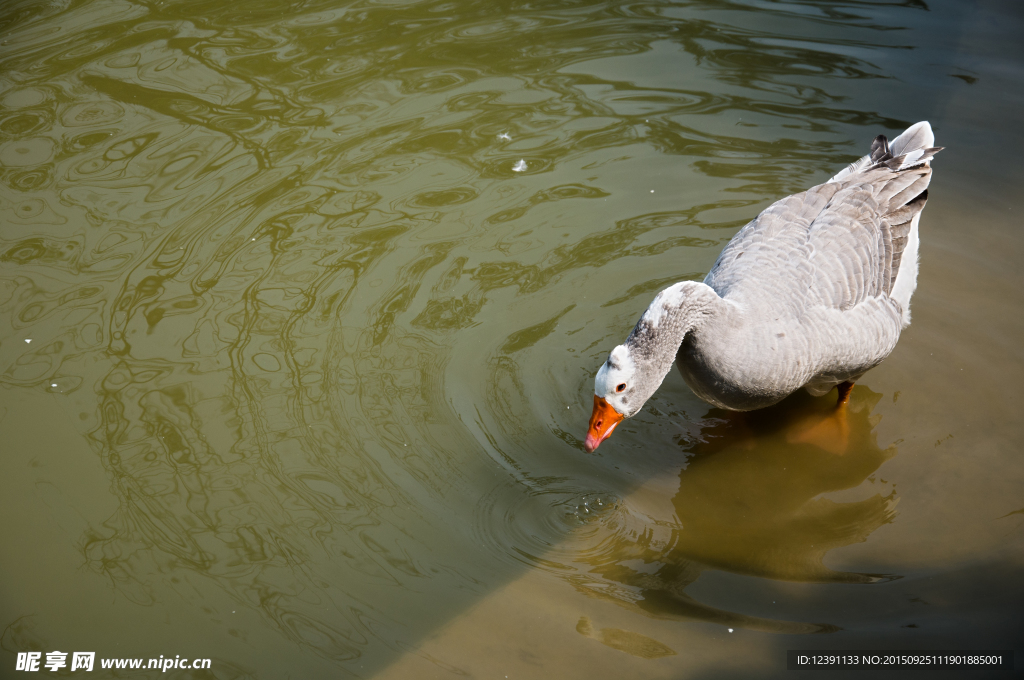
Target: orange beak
602	423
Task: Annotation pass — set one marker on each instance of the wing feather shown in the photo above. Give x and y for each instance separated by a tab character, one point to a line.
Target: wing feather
838	244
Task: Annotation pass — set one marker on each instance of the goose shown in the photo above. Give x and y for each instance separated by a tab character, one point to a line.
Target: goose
812	293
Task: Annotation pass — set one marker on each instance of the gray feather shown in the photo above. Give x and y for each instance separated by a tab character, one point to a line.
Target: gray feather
805	294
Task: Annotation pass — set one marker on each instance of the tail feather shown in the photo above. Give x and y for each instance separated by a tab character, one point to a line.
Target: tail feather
879	150
914	147
913	158
917	136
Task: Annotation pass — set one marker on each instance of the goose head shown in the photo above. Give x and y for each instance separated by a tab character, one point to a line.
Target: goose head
623	384
634	370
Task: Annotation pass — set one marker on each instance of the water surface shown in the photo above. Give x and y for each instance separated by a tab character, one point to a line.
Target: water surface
296	367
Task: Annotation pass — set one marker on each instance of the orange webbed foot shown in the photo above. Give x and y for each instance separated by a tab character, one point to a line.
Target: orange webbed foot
831	433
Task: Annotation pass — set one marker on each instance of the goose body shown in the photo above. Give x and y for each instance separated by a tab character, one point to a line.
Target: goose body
811	293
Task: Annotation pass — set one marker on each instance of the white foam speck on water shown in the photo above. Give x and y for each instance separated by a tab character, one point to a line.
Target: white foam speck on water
505	136
730	630
28	339
520	166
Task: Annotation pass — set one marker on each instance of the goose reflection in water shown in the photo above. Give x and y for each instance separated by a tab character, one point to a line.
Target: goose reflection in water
750	501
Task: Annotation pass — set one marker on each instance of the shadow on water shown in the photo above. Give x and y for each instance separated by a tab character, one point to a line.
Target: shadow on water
750	501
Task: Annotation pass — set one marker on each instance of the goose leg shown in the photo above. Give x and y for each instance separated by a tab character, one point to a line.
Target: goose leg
831	433
844	392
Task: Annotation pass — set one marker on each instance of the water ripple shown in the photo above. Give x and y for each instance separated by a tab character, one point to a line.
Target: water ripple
314	322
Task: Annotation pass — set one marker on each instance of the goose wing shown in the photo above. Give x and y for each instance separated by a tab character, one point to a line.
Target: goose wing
837	244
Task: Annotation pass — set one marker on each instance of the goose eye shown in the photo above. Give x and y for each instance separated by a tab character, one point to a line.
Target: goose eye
621	387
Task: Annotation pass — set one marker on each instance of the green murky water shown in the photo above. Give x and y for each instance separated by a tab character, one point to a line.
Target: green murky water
296	367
